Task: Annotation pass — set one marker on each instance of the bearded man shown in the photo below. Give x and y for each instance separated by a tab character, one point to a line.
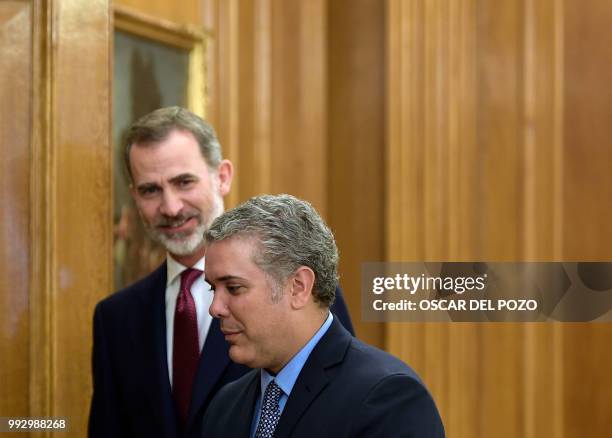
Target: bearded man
158	356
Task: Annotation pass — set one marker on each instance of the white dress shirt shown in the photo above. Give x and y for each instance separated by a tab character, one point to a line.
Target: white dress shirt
202	296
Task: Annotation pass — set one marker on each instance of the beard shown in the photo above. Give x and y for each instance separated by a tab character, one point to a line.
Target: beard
185	243
180	244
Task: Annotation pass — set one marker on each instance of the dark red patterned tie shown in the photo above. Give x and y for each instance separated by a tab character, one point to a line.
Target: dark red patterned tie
186	348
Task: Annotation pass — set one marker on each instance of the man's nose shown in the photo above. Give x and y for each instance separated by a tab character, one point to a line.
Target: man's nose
218	307
171	204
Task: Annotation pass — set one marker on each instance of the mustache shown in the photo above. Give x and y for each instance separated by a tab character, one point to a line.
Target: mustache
174	221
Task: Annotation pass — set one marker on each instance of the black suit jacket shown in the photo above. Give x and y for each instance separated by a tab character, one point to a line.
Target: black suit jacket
346	389
132	394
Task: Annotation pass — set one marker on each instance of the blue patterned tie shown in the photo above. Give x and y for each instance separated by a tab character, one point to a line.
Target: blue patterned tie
270	411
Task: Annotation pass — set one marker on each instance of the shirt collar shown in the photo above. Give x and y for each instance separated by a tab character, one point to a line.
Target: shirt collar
287	377
175	269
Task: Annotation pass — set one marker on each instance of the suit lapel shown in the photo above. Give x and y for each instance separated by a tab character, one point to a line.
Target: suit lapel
310	383
314	377
233	416
153	340
244	415
213	361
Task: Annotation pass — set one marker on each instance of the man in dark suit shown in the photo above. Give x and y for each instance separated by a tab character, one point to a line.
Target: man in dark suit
272	263
158	356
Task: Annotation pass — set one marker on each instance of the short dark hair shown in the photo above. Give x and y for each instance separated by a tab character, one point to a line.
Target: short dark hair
289	233
157	125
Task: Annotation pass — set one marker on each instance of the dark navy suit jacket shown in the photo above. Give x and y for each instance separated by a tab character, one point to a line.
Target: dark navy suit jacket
346	389
132	394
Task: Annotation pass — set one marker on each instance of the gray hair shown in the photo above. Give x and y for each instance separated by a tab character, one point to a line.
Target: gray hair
289	233
157	125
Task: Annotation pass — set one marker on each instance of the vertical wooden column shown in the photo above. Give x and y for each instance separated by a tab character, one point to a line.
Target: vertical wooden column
543	388
586	203
356	142
16	113
56	232
80	194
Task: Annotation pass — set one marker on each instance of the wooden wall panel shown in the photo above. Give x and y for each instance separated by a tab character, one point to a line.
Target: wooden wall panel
499	139
298	101
247	107
543	388
587	153
15	257
496	122
356	107
81	196
432	152
268	97
587	203
296	88
226	86
56	232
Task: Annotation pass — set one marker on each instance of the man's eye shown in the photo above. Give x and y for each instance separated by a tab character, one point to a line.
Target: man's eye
185	183
148	191
233	288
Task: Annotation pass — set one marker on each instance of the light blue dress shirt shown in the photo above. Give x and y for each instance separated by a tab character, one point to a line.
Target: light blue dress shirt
286	377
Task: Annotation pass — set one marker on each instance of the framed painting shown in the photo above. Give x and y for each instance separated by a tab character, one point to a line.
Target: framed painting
157	63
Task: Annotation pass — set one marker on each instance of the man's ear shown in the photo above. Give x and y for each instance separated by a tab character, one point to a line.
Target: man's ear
225	172
301	287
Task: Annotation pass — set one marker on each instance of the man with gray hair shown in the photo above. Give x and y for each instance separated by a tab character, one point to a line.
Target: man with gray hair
272	263
158	356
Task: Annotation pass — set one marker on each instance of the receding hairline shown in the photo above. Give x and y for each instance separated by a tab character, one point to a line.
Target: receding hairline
156	126
158	143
